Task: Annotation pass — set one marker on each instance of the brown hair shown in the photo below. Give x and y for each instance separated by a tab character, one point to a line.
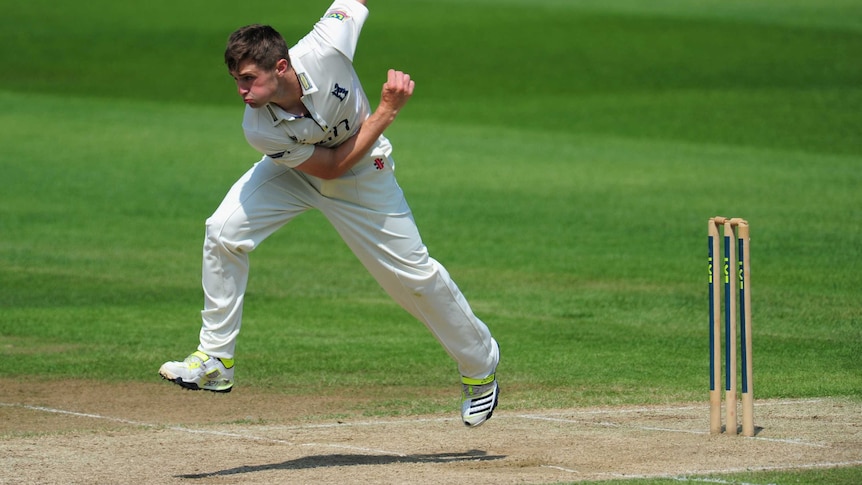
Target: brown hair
260	44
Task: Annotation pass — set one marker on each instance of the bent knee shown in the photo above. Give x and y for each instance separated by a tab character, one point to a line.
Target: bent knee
227	234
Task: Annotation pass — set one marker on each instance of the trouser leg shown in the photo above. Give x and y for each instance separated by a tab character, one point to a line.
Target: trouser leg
387	242
261	201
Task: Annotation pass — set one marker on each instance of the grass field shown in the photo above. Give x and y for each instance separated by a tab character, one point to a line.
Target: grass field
561	158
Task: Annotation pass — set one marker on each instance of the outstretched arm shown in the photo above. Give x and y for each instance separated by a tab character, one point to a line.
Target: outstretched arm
331	163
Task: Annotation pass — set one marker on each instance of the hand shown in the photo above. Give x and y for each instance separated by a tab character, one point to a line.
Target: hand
396	91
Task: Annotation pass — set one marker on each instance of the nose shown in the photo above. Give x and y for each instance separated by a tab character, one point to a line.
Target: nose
242	88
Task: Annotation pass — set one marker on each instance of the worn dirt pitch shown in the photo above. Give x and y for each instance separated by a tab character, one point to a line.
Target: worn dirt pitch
82	432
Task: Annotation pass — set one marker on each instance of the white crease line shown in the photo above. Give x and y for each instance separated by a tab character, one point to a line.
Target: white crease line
440	420
790	441
358	423
607	424
626	411
757	404
181	429
562	469
543	417
80	415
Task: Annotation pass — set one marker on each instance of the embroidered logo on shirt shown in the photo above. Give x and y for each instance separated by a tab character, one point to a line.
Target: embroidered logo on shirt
378	163
336	14
339	92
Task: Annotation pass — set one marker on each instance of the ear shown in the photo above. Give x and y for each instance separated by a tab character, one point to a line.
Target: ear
281	67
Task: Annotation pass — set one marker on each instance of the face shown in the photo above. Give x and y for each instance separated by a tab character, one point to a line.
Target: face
256	86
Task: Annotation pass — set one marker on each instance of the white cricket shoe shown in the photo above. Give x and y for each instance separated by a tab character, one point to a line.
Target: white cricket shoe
200	371
478	399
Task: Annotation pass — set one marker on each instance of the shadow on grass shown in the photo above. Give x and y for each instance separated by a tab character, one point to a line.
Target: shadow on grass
323	461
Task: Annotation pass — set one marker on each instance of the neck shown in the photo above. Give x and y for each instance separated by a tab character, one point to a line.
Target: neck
290	98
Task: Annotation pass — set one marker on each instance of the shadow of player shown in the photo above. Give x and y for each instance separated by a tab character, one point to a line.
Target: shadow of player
323	461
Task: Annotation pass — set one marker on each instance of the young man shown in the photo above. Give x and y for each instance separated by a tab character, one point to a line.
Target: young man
324	149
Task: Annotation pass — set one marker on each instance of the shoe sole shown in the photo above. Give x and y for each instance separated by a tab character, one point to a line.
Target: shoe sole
191	386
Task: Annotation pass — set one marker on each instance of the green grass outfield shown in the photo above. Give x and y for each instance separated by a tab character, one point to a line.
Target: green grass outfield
561	157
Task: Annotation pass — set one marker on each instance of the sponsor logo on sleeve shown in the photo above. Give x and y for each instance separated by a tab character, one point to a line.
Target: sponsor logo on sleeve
337	15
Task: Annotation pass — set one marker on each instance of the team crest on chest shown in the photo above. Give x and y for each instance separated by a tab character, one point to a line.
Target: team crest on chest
339	92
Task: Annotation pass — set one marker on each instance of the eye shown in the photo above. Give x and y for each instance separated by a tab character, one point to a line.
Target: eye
243	78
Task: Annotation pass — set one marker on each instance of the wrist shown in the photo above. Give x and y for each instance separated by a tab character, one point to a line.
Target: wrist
385	114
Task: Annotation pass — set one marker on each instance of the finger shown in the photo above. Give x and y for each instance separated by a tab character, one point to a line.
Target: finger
406	83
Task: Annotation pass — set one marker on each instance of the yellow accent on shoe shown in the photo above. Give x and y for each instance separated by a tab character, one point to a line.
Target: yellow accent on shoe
477	382
200	355
227	363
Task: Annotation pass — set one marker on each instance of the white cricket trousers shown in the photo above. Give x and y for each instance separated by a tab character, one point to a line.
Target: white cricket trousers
369	211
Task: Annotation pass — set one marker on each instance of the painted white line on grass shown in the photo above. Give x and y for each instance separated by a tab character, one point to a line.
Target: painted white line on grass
223	434
686	476
790	441
592	412
346	424
693	407
80	415
624	411
550	417
607	424
787	402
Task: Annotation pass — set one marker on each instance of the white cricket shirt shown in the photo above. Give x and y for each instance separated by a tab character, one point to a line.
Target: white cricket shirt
323	61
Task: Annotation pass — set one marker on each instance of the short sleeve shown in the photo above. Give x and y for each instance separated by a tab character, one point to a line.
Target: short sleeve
341	25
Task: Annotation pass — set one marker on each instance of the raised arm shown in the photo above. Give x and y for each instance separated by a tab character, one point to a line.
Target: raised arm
331	163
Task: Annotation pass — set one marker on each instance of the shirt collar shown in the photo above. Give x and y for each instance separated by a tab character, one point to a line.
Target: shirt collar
308	87
305	81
